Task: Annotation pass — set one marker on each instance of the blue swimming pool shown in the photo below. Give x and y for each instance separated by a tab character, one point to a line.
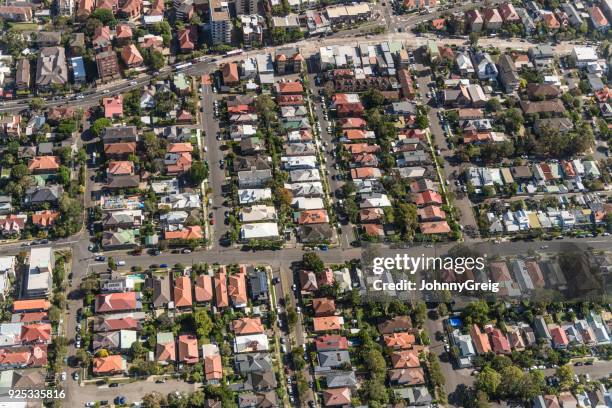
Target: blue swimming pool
454	321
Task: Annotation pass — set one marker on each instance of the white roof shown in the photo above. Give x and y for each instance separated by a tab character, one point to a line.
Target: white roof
259	230
304	203
258	213
251	343
7	263
252	195
41	259
585	53
209	350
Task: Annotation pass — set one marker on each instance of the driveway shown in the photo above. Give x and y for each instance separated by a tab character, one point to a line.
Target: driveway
132	391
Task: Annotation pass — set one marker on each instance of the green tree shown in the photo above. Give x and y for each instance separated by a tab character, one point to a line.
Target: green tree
105	16
565	374
63	175
36	104
99	125
312	262
197	173
488	381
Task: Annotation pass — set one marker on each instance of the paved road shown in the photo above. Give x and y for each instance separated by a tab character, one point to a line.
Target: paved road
216	177
461	201
328	143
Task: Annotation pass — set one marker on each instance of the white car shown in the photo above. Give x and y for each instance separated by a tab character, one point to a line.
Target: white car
90	404
75	376
63	376
105	91
133	83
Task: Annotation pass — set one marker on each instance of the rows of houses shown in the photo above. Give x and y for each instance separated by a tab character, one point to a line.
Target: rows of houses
26	336
244	288
591	331
554	177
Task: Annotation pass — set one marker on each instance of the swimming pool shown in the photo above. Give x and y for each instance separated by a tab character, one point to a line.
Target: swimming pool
454	321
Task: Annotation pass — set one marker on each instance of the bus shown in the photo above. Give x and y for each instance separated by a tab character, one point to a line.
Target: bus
234	52
182	66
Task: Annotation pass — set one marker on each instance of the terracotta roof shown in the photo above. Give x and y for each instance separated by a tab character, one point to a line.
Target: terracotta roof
188	349
558	336
337	396
323	306
408	376
107	365
348	123
179	148
116	302
165	351
119	168
213	367
427	197
182	291
122	323
230	73
329	342
247	325
438	227
45	218
131	56
33	317
312	217
400	340
480	339
39	333
327	323
120	148
405	359
33	356
290	88
374	230
203	288
237	289
431	212
190	232
221	297
123	31
44	163
32	304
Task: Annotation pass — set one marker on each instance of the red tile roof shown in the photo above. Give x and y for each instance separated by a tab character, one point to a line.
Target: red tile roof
405	359
182	292
327	323
203	288
32	356
213	367
237	289
331	342
121	168
108	365
165	351
190	232
437	227
230	73
120	148
36	333
45	163
116	302
247	325
221	297
480	339
323	306
131	56
45	218
337	396
400	340
285	88
29	305
188	349
427	197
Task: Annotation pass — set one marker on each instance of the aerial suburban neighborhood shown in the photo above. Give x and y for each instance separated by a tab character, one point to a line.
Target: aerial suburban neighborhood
197	199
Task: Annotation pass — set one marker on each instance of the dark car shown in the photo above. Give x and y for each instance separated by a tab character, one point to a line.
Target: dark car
114	385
